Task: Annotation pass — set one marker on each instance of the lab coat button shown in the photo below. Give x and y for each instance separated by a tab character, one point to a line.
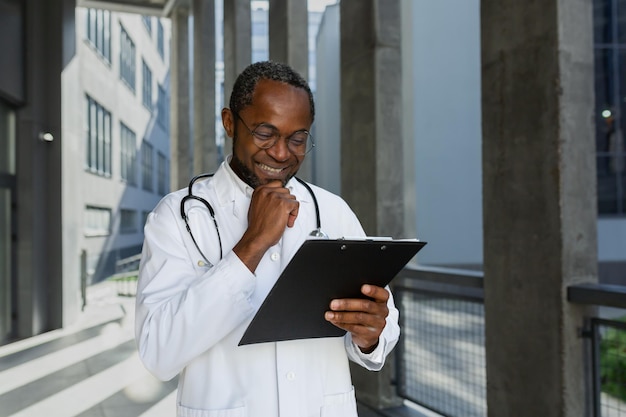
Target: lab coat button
274	256
291	376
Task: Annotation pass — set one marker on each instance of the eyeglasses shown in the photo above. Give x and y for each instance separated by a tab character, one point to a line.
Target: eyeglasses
265	136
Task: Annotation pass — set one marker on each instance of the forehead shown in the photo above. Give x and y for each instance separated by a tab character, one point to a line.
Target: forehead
277	97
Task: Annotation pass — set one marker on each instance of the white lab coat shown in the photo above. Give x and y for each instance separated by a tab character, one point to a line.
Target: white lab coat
190	316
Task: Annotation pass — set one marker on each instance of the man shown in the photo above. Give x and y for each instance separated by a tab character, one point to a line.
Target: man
199	287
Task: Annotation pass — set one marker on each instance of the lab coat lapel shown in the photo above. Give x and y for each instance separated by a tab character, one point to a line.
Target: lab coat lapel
296	235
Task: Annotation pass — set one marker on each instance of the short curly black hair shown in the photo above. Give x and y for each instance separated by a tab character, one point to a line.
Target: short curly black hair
246	83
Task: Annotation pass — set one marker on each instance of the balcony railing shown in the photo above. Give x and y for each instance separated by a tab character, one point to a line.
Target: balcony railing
441	354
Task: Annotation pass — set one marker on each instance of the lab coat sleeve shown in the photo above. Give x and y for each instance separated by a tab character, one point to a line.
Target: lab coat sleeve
388	339
180	313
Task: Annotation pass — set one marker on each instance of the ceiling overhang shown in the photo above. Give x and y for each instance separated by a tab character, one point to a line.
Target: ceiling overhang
161	8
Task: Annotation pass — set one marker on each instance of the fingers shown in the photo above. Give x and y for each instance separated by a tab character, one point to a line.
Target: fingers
378	294
272	209
365	319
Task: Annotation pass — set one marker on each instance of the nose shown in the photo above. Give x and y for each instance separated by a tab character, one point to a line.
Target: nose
279	150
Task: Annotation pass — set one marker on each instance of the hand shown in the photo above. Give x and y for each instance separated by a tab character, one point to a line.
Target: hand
365	319
272	209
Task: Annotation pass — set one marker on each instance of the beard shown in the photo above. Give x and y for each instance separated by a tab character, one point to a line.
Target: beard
244	172
247	175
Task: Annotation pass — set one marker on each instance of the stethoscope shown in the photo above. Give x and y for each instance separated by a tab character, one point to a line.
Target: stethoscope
190	196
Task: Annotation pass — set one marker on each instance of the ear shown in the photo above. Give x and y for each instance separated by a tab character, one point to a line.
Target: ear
228	121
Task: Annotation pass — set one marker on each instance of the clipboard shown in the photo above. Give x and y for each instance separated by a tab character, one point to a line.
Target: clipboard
322	270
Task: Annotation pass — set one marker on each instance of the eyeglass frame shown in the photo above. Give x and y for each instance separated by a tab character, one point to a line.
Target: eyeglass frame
276	137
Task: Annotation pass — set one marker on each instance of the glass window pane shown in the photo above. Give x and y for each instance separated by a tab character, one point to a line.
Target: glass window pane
107	142
603	67
621	21
7	140
602	21
607	186
99	41
97	221
621	90
93	136
107	36
100	137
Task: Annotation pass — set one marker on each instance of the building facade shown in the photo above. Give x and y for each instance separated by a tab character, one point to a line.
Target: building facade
117	113
442	125
84	145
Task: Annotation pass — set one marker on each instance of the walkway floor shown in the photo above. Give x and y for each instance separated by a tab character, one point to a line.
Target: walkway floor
90	369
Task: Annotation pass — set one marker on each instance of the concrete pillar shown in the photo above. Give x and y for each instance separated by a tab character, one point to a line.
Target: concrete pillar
180	129
289	34
289	43
205	158
371	140
539	202
39	169
237	42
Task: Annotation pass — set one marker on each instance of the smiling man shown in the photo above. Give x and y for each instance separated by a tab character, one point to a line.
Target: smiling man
213	251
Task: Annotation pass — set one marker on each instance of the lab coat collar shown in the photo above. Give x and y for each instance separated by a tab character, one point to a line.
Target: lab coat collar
231	190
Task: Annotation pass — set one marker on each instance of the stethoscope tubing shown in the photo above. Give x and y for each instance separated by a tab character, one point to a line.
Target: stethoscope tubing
190	196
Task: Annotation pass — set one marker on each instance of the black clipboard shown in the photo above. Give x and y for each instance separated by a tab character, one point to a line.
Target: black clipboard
320	271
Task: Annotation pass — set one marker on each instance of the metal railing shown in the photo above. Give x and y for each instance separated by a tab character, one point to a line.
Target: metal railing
125	278
607	339
441	354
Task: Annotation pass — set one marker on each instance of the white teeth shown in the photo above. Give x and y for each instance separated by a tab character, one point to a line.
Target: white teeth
269	169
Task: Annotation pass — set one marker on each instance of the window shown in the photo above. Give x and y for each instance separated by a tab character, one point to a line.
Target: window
609	18
260	34
97	221
128	221
161	174
128	161
162	109
147	22
99	31
146	166
160	38
98	146
7	140
127	59
147	85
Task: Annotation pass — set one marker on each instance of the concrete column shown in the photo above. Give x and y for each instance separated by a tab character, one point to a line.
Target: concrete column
180	129
371	140
39	170
289	34
289	43
237	42
539	202
205	150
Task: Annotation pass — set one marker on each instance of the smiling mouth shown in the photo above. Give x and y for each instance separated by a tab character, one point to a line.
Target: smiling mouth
269	169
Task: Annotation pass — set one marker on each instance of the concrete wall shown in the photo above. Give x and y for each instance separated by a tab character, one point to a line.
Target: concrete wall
443	119
327	128
446	127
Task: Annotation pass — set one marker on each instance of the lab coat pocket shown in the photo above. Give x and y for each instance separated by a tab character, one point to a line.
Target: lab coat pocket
339	405
231	412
